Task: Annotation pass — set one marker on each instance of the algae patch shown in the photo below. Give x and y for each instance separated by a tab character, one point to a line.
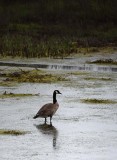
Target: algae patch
13	95
7	84
98	101
33	76
12	132
104	61
101	79
78	73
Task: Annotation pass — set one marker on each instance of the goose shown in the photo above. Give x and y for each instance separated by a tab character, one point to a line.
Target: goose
49	109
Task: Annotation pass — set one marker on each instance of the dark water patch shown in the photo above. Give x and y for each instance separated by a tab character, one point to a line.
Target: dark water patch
82	67
70	67
12	64
106	69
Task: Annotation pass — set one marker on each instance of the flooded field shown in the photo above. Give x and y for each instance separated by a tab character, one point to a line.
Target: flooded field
83	128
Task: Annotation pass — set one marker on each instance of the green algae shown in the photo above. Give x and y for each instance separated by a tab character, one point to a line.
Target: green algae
12	132
7	84
12	95
101	79
33	76
79	73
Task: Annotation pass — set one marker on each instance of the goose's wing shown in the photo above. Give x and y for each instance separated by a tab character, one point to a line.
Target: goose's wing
44	111
47	110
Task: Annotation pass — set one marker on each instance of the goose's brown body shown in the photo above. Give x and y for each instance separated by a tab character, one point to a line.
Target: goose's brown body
48	110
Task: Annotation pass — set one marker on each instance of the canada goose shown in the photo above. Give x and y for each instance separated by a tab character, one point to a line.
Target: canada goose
49	109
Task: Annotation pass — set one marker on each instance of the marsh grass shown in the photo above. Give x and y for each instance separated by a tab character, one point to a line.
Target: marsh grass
27	46
50	28
98	101
12	132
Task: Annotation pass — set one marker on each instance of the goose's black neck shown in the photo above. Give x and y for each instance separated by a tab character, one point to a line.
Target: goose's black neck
54	97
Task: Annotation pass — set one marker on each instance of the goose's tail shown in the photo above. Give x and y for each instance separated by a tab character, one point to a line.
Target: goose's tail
35	116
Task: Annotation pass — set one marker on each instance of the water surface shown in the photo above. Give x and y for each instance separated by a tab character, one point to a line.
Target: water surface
79	131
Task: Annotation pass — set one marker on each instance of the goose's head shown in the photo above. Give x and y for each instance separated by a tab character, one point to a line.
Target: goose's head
57	92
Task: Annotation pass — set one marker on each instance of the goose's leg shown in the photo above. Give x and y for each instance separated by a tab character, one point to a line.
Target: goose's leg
50	120
45	120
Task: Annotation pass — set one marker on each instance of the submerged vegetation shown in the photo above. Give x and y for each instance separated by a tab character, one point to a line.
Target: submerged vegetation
55	28
7	84
13	95
33	76
11	132
98	101
101	79
78	73
104	61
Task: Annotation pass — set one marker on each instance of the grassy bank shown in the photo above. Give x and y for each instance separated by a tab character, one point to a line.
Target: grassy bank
54	28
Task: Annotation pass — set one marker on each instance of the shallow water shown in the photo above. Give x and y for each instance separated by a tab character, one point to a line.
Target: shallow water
85	67
79	131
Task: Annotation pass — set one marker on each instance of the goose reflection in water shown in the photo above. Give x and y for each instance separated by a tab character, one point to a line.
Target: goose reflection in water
48	130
